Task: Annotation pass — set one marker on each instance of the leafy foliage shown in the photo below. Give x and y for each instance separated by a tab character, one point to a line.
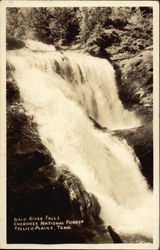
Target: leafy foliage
96	25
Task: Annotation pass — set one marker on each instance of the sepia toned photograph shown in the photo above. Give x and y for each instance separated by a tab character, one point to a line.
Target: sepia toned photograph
81	117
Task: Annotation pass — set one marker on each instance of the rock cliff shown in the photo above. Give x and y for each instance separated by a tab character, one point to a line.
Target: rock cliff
136	84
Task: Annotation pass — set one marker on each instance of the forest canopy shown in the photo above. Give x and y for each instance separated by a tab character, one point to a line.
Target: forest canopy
89	26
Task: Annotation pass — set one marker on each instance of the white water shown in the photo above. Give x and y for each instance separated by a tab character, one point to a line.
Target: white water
60	91
34	45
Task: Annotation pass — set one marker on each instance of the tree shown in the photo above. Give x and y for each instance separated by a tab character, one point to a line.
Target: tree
64	25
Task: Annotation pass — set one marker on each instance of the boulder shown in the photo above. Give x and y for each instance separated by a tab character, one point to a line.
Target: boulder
14	43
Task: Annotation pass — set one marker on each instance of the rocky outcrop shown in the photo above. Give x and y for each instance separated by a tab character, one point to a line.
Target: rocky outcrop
37	187
114	235
136	85
13	43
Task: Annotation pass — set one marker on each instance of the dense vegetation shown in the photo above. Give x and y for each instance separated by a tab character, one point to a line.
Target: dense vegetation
102	26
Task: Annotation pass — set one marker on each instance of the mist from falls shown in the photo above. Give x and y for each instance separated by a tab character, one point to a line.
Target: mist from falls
61	90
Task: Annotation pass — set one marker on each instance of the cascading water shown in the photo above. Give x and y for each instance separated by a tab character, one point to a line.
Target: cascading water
60	90
86	80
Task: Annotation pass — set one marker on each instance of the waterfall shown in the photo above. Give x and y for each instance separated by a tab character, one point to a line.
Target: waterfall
61	90
88	81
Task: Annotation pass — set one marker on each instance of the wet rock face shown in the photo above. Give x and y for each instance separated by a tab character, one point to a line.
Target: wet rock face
136	85
37	187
